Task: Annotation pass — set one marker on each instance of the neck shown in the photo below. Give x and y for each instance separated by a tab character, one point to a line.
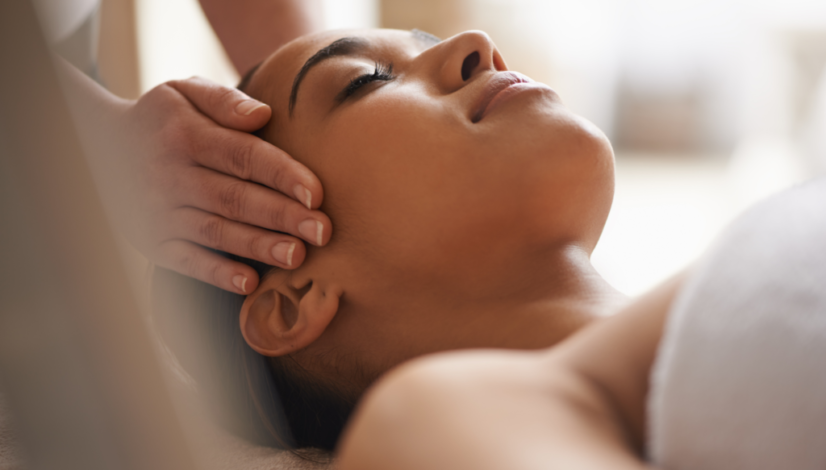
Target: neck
551	304
529	309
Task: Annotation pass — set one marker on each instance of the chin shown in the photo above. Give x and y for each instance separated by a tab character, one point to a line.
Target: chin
595	132
586	140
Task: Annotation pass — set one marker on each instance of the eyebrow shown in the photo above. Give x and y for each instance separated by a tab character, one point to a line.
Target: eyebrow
346	46
341	47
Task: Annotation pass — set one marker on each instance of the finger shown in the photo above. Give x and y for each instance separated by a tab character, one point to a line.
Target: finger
229	107
243	240
195	261
250	158
253	204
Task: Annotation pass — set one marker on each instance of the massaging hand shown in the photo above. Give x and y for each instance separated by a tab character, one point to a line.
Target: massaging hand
195	179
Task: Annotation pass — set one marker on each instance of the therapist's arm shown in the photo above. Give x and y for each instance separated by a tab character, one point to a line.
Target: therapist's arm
178	173
252	29
580	405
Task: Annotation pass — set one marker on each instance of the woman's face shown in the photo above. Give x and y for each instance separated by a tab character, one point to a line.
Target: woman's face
446	176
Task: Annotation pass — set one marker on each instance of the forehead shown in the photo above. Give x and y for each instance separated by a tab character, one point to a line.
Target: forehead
274	79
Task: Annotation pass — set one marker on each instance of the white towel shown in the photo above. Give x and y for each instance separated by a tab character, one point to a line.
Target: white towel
740	377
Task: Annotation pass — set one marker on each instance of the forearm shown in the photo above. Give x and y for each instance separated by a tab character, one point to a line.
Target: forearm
252	29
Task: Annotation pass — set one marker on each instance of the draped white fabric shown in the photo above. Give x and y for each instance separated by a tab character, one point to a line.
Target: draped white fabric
740	378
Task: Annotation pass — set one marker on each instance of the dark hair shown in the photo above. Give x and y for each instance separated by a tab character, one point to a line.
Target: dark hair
268	401
244	84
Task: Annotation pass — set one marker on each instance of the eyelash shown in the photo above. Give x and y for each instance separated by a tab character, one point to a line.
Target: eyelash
383	72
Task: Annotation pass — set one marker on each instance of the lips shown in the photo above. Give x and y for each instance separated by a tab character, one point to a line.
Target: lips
498	84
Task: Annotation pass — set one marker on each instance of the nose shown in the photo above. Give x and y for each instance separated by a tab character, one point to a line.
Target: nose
461	58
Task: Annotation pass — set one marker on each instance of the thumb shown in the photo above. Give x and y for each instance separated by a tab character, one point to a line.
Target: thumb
229	107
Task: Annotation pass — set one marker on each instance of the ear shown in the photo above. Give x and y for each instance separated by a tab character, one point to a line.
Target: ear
278	319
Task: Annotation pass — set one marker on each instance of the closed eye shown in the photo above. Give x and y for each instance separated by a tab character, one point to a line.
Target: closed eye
383	72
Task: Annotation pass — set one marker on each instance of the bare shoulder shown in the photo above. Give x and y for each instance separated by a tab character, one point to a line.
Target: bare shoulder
613	358
522	410
448	405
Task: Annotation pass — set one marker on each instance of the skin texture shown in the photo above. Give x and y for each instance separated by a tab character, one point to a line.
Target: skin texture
179	172
450	233
579	405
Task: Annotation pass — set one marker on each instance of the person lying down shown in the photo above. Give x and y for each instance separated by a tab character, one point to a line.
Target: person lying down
467	200
720	368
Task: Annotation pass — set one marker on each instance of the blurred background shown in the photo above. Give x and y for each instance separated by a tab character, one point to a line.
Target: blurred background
710	104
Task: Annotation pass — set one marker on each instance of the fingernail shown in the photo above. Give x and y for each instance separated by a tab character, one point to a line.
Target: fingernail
240	282
304	195
311	230
246	107
283	252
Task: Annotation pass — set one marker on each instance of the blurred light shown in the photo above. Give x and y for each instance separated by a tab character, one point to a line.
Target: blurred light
175	41
351	14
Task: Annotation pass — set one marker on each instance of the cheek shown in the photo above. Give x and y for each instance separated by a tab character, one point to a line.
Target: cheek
564	166
585	172
406	178
422	191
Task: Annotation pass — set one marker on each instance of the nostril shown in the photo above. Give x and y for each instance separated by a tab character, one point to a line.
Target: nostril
469	65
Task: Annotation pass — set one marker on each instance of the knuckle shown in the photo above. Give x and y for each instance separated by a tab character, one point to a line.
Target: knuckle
193	84
219	96
254	245
177	141
214	276
187	143
277	172
232	199
174	126
240	160
278	217
168	93
211	231
193	263
188	263
159	102
175	132
162	89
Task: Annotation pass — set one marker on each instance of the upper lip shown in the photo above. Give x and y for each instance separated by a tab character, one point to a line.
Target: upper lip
498	82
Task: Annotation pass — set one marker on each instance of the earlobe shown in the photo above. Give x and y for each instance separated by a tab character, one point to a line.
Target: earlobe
277	319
